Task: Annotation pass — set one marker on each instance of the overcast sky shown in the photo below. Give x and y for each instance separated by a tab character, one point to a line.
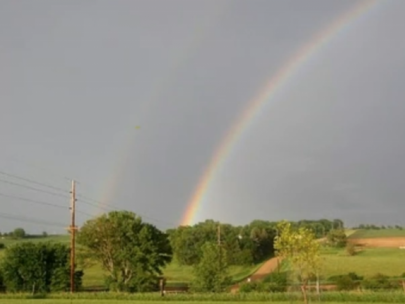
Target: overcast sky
77	77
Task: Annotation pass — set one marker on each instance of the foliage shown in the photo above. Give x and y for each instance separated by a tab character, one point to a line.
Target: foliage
301	250
37	267
348	281
19	233
245	245
337	238
350	249
2	287
379	282
131	251
211	273
275	282
2	246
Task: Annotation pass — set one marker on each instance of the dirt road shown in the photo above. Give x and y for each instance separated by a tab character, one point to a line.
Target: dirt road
268	267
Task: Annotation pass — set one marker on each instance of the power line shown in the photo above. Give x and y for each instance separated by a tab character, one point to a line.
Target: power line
41	203
32	188
35	221
84	199
32	181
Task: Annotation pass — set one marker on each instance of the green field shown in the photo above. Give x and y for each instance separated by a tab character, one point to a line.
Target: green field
388	261
377	233
49	301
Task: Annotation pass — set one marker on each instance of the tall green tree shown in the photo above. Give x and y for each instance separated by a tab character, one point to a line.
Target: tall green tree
211	273
131	251
19	233
301	250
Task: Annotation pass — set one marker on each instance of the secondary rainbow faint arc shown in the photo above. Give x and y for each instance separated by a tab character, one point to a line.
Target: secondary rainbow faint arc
201	32
265	95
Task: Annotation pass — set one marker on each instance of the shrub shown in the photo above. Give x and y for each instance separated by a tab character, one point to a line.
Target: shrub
380	282
348	282
276	282
2	288
337	238
37	268
350	249
2	246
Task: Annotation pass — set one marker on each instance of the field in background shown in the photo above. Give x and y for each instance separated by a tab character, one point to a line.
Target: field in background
381	233
175	274
367	262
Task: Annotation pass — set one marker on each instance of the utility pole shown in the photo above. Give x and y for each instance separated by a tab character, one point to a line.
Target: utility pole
72	229
219	245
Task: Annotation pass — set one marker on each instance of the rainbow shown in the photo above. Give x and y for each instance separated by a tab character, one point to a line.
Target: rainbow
275	83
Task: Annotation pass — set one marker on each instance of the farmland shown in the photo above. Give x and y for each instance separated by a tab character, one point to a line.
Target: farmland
368	262
377	233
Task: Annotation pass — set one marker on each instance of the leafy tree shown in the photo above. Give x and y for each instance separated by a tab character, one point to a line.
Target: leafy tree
211	273
38	267
19	233
301	250
131	251
337	238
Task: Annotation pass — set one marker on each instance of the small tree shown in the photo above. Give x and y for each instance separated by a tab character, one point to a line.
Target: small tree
19	233
211	273
302	252
337	238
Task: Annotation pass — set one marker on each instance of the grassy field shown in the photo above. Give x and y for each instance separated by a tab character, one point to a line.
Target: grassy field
381	233
277	298
175	274
49	301
389	261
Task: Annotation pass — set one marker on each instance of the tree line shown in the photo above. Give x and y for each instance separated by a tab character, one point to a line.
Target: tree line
134	253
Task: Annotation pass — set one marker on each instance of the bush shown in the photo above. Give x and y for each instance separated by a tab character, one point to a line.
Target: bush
380	282
2	246
348	282
276	282
337	238
2	288
37	268
350	249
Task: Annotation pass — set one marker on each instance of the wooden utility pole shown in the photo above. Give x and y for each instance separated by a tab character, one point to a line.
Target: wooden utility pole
219	245
72	229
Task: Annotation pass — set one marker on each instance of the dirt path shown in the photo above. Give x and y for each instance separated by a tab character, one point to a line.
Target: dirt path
388	242
268	267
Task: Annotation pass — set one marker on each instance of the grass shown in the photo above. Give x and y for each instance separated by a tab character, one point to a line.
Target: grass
176	273
377	233
389	261
292	297
65	301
